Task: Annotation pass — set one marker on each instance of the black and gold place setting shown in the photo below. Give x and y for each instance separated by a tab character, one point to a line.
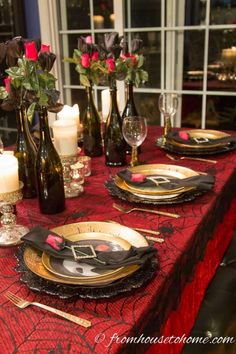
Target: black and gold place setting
159	184
192	142
87	259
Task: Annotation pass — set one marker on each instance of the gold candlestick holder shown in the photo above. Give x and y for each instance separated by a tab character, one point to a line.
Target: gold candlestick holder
10	232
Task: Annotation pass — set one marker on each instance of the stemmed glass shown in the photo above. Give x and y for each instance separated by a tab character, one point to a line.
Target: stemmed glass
134	130
168	104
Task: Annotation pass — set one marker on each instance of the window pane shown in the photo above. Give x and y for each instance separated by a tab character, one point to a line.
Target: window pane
222	60
193	60
143	13
147	106
221	112
188	13
103	14
222	12
191	111
74	14
152	55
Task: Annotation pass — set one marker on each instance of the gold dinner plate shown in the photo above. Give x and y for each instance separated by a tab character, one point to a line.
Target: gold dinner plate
157	170
202	133
69	268
33	258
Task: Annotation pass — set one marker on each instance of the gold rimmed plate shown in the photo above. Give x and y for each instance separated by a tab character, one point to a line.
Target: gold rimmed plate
33	258
69	268
168	172
205	139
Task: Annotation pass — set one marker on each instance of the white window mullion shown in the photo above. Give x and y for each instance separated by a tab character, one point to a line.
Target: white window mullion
206	45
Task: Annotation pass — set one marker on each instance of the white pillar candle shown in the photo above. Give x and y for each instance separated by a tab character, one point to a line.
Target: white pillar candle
69	112
98	21
65	137
9	177
106	103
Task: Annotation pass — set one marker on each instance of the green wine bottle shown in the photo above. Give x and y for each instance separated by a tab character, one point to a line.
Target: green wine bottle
49	171
25	152
114	143
92	139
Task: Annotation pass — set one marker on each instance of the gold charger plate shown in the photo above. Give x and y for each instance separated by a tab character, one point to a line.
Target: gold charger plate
69	268
160	170
33	258
202	133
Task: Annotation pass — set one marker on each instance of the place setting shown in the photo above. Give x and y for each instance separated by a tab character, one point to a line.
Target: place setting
190	142
88	260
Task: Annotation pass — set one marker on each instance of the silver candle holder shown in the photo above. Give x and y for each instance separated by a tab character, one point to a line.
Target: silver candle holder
71	187
10	232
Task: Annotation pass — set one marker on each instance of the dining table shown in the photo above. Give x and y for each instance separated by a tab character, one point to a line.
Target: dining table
140	319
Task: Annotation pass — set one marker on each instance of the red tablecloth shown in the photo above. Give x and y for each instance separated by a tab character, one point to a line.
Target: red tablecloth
147	310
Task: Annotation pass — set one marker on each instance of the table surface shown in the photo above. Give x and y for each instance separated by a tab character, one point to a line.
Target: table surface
33	329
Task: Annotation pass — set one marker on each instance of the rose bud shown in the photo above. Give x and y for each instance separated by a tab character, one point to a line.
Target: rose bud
88	40
95	56
137	177
85	62
45	48
31	51
183	135
46	60
111	64
7	82
56	242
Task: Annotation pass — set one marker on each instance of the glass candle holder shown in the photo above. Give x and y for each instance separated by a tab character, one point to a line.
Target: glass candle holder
77	175
86	161
10	232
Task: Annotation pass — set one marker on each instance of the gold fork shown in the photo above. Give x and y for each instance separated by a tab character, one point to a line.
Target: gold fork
129	210
21	303
151	232
175	158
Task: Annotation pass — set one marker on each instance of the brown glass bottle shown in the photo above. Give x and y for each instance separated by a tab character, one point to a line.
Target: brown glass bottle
130	110
49	171
25	152
92	139
114	143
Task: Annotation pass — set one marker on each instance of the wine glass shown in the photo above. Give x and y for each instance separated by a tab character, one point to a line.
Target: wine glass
168	104
134	130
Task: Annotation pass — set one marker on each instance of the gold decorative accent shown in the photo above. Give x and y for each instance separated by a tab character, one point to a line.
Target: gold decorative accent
154	171
12	197
22	303
33	259
128	210
199	134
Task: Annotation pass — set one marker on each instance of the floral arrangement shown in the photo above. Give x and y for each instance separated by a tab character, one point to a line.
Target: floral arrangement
29	81
109	60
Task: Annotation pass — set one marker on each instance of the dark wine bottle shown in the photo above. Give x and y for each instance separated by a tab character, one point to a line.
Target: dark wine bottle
25	152
49	171
114	143
92	139
130	110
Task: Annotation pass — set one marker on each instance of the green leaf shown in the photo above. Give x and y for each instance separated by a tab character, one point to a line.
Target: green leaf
140	60
3	93
84	80
43	99
28	86
30	111
144	75
137	80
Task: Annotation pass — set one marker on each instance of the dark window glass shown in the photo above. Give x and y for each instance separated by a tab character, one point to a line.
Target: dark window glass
191	111
223	12
103	14
195	12
77	15
143	13
193	60
221	112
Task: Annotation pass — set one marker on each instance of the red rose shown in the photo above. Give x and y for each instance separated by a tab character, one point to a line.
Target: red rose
111	65
55	242
85	62
31	51
129	55
95	56
7	82
89	40
45	48
184	135
137	177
